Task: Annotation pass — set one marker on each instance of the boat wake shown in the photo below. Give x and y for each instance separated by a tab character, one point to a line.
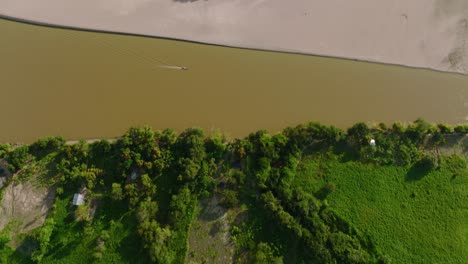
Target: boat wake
173	67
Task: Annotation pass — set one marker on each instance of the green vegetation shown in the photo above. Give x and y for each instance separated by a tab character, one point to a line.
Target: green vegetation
310	194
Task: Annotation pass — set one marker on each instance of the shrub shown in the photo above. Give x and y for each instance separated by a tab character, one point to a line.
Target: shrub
445	129
17	158
358	134
117	193
418	131
398	128
46	145
230	198
266	254
81	213
4	149
461	129
5	249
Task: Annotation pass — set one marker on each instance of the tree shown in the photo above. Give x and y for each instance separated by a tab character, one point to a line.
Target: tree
347	249
131	191
190	144
188	169
445	129
156	240
4	149
398	128
5	249
82	213
148	188
46	145
147	210
215	146
461	129
166	138
180	204
230	198
117	193
403	155
418	131
266	255
358	134
17	158
43	238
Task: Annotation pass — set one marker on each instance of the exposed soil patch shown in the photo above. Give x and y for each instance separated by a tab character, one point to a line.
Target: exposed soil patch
209	237
25	204
455	144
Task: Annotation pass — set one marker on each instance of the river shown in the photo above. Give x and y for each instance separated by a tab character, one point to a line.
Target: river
92	85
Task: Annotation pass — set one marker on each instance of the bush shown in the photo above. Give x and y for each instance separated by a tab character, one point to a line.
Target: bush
358	134
266	254
230	198
5	249
17	158
438	139
4	149
117	193
418	131
398	128
445	129
43	239
461	129
81	213
47	145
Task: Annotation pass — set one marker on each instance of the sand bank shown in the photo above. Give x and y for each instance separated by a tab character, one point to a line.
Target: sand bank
420	33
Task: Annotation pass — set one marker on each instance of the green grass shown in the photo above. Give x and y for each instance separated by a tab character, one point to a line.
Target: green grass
410	217
75	242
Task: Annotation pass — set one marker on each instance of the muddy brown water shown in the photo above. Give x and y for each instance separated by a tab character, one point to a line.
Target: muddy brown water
92	85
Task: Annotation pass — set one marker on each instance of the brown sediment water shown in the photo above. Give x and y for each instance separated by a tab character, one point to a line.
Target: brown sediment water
92	85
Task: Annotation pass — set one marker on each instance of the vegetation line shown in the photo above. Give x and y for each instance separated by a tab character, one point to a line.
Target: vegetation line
309	194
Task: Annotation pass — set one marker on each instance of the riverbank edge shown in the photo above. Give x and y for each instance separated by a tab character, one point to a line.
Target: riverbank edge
250	48
371	125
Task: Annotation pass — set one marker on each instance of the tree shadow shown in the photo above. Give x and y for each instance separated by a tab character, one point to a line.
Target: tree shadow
464	143
326	190
211	209
416	172
25	249
131	247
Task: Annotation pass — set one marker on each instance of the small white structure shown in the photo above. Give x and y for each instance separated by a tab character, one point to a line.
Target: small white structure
372	142
133	176
78	199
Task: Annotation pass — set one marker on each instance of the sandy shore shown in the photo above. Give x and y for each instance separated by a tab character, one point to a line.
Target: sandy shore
420	33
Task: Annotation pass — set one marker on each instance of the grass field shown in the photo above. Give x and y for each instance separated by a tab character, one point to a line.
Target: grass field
410	217
75	242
